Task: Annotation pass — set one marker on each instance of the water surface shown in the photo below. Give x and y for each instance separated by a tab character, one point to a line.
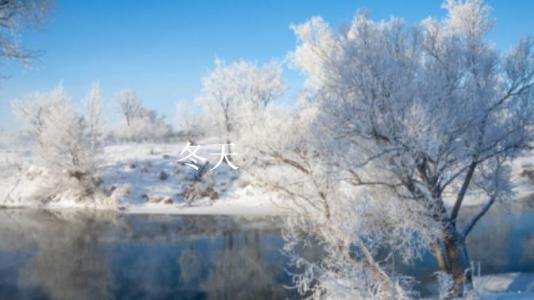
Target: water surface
76	255
107	255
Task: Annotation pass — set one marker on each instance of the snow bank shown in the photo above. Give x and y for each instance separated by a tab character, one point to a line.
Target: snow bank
136	178
505	286
36	187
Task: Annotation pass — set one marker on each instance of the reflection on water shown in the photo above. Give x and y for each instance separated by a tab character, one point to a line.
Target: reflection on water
105	255
75	255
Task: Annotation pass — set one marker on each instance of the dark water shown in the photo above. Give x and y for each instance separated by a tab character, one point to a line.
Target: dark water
76	255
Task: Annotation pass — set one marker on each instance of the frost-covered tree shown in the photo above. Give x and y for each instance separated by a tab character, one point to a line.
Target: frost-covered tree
129	105
427	115
62	143
14	15
189	121
93	106
138	123
285	155
64	164
232	92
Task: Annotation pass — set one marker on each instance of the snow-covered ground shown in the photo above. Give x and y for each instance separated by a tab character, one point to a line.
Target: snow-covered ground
152	178
505	286
140	166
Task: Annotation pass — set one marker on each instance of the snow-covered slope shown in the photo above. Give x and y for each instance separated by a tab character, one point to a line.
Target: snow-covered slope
142	178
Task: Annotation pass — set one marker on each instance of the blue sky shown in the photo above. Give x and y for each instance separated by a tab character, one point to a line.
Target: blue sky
162	49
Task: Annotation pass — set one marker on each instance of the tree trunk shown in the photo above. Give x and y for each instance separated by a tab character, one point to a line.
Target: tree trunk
453	259
458	266
440	256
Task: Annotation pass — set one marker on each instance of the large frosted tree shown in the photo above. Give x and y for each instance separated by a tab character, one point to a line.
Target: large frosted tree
430	114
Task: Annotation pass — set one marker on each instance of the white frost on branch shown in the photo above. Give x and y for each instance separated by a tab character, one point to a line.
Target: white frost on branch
400	124
64	163
138	123
233	93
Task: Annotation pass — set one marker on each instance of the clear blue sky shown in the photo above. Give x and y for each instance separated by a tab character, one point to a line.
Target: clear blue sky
163	48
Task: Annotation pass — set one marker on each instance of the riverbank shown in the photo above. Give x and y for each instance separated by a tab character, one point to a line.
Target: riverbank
151	178
141	179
